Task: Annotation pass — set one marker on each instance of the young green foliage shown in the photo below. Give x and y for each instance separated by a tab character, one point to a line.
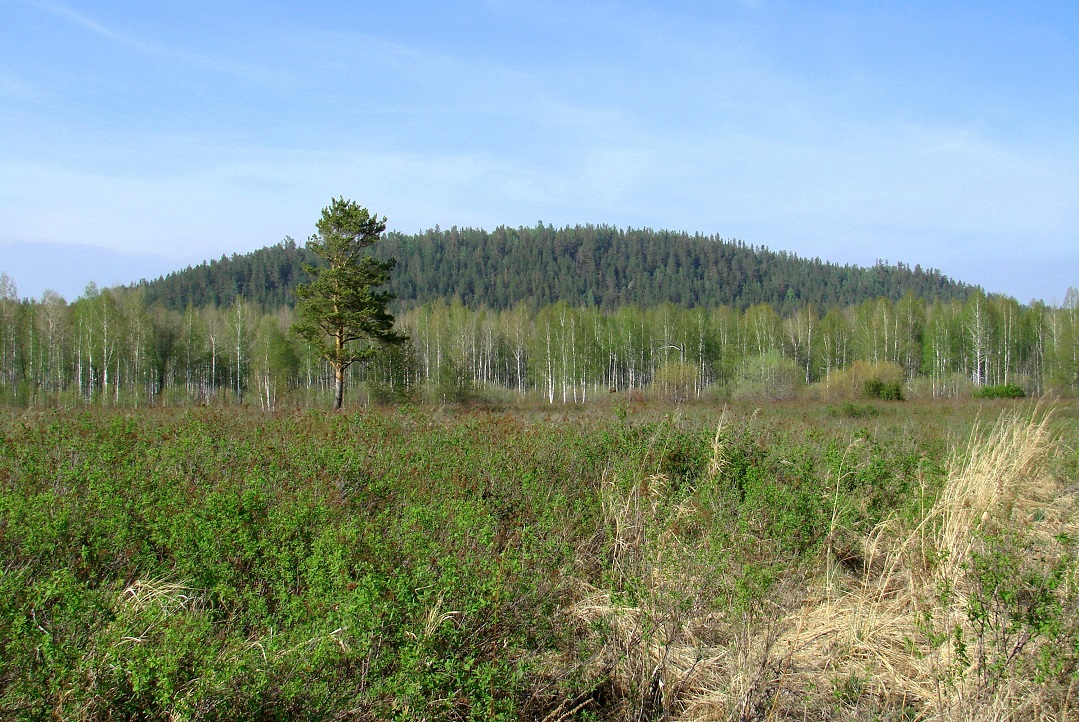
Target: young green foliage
341	315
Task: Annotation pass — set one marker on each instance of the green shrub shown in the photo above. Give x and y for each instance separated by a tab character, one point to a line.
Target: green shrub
876	388
856	411
454	384
999	391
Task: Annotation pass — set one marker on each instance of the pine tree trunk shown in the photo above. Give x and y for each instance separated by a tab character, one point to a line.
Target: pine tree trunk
339	387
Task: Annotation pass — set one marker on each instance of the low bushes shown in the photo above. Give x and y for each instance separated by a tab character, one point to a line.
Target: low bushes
864	380
429	563
876	388
999	391
772	377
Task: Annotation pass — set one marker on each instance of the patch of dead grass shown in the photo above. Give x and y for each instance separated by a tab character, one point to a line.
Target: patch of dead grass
898	640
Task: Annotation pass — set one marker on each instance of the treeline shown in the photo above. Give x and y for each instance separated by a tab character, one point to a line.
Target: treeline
115	347
591	266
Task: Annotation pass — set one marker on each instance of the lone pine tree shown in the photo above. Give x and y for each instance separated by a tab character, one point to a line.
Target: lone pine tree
341	315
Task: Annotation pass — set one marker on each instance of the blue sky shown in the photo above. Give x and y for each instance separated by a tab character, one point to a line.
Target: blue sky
137	138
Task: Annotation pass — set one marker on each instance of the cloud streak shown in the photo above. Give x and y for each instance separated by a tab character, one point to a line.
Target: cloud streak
203	61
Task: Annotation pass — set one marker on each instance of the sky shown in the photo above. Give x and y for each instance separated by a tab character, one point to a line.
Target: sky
138	138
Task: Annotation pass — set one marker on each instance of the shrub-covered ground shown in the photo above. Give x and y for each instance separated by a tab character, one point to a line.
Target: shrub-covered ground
862	561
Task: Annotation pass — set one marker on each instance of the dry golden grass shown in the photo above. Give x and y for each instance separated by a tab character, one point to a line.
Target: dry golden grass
167	597
898	641
153	601
906	626
669	653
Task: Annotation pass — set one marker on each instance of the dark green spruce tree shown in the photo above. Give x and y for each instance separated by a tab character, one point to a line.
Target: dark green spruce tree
341	314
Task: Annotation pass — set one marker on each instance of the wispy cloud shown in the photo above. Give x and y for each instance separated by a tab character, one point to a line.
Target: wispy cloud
90	24
209	62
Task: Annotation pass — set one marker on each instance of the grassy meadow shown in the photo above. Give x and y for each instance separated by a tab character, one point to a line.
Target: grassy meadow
625	561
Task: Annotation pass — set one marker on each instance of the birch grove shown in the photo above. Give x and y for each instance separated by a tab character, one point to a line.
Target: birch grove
107	347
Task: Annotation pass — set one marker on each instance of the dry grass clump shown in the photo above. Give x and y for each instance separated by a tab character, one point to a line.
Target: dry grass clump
948	620
672	661
959	615
166	597
149	602
665	651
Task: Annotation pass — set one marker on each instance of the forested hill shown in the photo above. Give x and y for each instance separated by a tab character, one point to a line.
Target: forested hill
584	265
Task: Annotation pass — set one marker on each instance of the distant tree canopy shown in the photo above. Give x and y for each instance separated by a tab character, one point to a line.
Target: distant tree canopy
590	266
267	278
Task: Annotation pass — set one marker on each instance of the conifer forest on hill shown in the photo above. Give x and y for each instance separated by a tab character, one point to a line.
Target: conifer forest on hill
582	266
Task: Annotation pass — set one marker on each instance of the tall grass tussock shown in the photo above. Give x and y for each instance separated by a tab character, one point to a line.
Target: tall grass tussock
966	611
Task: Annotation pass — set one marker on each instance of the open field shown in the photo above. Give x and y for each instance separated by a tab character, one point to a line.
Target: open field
876	561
